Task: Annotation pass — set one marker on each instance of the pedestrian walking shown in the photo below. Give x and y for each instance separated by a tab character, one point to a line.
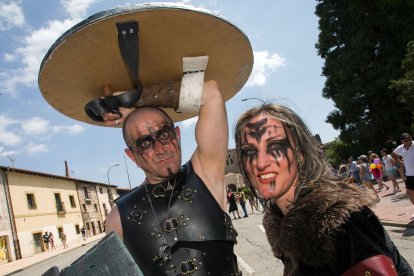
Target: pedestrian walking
389	170
231	199
83	231
46	241
51	241
376	169
354	170
406	150
253	202
63	239
242	202
366	174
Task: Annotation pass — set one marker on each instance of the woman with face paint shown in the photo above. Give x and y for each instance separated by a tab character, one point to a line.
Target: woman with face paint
315	223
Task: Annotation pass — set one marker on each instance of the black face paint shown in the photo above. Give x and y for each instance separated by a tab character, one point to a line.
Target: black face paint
170	172
275	148
165	135
278	148
257	129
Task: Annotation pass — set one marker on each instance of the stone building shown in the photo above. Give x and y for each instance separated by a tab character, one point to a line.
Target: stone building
233	178
96	200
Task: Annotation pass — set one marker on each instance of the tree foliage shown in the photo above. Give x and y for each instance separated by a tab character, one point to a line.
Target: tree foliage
406	84
363	43
336	152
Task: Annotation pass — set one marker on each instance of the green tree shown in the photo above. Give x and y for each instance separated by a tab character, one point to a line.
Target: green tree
337	152
363	43
406	84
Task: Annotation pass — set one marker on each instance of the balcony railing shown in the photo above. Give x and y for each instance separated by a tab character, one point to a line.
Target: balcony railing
60	207
87	196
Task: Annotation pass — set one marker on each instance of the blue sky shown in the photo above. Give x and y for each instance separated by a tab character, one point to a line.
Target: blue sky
34	136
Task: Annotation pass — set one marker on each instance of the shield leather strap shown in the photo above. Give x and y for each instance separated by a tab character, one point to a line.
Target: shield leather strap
379	265
128	41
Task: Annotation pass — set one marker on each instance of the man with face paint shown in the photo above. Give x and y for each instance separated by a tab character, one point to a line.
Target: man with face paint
175	222
315	223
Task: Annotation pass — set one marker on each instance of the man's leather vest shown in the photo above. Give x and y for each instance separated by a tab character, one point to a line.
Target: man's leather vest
200	234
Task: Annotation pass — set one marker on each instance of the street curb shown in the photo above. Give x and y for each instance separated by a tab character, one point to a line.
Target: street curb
51	257
397	224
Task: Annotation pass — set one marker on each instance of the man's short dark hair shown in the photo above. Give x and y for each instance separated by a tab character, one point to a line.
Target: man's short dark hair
405	136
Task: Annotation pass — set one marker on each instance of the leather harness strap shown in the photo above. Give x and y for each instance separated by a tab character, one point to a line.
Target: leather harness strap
128	41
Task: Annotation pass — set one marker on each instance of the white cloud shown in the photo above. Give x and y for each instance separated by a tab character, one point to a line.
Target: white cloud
36	44
5	121
188	123
35	126
73	130
9	57
76	8
7	153
35	130
32	148
31	53
8	137
11	15
265	63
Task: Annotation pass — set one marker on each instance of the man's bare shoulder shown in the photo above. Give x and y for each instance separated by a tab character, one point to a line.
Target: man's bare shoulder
113	222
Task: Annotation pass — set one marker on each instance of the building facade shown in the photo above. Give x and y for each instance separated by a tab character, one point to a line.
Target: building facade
32	203
233	178
106	196
43	203
7	237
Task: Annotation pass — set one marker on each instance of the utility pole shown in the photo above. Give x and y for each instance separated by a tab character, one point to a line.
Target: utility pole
129	181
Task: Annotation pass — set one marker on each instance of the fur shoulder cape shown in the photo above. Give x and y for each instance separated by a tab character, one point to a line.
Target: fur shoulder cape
306	232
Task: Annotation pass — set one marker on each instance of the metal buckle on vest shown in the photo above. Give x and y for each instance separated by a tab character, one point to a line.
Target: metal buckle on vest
136	215
187	194
160	191
187	267
171	224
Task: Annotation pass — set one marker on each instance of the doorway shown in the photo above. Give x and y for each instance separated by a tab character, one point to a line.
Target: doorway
93	228
4	250
37	243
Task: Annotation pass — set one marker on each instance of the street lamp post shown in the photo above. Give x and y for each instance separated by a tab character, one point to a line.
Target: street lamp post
243	100
109	184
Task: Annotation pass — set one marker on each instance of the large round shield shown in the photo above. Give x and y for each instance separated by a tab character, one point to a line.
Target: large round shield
87	56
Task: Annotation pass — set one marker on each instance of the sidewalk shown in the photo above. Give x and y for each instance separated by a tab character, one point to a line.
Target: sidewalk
28	261
394	209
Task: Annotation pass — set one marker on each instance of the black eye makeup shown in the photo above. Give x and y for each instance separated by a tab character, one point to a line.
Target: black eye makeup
276	148
164	135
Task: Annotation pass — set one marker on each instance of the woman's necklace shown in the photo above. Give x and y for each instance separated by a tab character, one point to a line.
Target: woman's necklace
165	249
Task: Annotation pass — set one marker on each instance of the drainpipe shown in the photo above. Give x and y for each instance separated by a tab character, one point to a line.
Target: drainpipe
77	187
101	220
11	216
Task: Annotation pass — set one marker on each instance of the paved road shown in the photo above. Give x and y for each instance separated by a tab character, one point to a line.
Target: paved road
257	258
61	261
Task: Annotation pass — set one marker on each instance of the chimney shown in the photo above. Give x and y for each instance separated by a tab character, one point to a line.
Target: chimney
66	169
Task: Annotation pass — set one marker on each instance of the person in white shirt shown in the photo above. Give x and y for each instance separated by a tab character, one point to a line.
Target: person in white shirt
406	150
